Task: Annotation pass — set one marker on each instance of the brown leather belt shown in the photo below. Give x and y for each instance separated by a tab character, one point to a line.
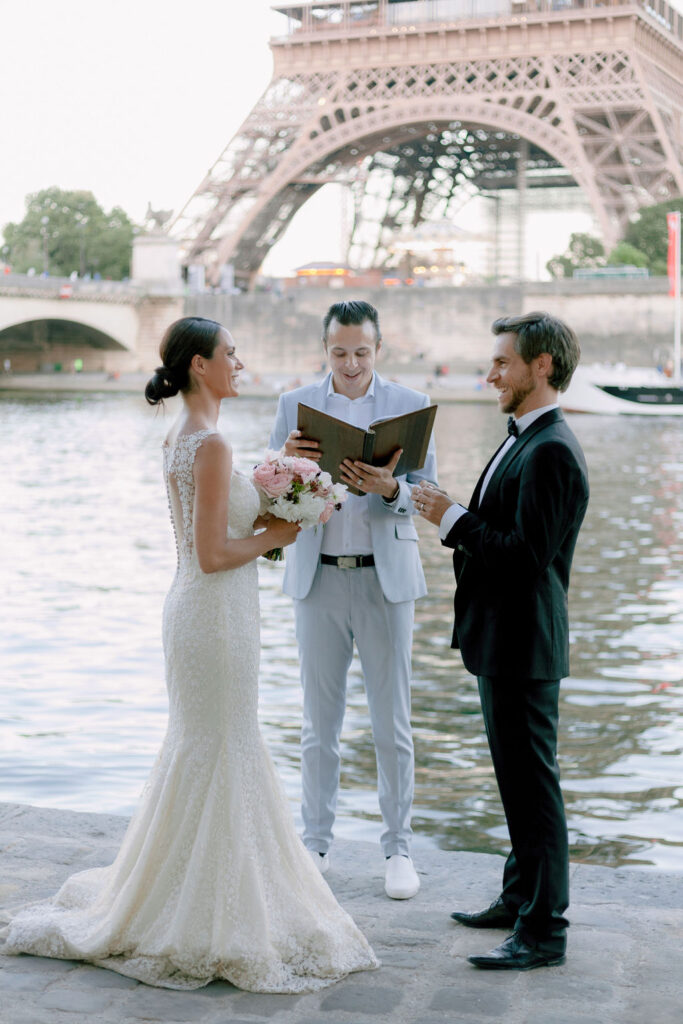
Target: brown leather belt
348	561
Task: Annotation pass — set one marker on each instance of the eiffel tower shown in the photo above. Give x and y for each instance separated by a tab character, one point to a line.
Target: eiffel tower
417	105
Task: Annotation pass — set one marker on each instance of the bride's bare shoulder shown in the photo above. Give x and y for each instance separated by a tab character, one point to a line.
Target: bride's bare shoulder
214	450
187	432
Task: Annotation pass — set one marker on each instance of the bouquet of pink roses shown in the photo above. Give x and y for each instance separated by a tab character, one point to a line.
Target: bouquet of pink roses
297	490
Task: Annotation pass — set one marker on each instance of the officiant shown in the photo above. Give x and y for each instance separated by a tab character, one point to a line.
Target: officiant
356	579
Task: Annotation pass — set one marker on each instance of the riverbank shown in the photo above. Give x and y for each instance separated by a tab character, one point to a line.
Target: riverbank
449	388
624	963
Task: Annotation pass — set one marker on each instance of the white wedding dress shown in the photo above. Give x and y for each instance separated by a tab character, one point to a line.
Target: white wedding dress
211	880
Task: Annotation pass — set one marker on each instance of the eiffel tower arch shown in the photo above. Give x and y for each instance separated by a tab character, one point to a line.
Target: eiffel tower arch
417	105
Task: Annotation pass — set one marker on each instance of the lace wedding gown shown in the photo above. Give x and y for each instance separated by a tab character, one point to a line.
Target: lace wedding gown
211	880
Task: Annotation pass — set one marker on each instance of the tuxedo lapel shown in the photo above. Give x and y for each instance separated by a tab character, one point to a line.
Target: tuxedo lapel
474	500
503	466
553	416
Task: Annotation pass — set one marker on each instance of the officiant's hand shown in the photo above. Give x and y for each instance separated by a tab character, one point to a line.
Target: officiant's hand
301	447
430	502
372	479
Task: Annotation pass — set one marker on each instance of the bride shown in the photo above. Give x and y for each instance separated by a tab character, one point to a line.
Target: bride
211	880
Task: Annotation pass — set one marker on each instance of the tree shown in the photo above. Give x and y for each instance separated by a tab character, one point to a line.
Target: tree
649	233
583	251
66	231
560	266
626	255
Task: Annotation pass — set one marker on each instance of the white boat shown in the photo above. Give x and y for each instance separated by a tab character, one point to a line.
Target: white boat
624	390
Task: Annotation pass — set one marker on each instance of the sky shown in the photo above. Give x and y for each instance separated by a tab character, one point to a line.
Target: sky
134	100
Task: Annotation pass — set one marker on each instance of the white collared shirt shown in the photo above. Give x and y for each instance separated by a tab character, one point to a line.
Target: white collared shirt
455	511
348	530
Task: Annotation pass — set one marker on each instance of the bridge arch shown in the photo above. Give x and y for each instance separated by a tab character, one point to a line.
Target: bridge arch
116	329
34	322
43	334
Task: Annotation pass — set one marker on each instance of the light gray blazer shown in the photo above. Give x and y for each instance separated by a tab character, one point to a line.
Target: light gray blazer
394	538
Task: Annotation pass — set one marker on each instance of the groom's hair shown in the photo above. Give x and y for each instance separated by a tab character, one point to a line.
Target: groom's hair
354	312
536	333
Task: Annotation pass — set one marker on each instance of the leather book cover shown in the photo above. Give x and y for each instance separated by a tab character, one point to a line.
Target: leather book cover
411	432
339	440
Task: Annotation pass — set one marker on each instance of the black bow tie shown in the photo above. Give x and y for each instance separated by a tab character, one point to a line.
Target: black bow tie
513	429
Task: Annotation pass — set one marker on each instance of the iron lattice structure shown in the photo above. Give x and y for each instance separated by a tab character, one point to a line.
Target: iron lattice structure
418	105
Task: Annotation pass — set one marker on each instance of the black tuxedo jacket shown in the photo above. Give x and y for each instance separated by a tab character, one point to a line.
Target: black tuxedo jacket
513	553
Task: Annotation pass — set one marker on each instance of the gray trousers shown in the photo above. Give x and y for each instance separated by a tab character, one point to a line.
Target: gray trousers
344	605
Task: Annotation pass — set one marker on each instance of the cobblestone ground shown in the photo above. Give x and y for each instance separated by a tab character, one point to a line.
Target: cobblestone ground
624	964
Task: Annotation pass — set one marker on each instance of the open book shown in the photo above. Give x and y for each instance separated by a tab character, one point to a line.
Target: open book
340	440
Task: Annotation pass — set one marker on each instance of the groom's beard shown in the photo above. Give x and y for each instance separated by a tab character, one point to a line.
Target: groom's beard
518	393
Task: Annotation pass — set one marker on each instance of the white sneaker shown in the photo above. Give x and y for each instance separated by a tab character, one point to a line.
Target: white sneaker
401	881
321	861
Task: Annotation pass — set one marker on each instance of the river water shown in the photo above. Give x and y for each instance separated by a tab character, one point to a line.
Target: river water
88	556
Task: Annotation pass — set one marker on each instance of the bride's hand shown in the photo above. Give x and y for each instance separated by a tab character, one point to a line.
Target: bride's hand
261	521
282	533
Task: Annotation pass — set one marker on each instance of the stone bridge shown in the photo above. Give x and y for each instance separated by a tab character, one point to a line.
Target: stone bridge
48	323
116	327
617	320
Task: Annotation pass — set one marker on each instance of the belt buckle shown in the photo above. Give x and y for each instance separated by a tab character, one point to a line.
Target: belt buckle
347	562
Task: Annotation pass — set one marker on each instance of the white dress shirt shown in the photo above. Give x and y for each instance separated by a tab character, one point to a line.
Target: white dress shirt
348	530
455	511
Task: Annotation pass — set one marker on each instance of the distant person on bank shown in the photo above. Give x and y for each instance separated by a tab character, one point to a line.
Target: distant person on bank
357	578
512	553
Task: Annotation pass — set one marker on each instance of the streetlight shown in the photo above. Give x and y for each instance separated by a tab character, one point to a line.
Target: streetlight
81	222
45	221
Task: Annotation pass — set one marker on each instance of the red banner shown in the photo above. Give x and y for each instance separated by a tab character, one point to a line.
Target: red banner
673	224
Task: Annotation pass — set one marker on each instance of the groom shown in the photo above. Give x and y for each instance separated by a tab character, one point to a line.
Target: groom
356	579
512	554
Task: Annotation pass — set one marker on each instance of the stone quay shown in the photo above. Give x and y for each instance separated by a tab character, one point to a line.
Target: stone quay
624	961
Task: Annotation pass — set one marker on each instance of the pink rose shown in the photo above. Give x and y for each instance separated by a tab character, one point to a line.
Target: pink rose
327	512
307	469
273	479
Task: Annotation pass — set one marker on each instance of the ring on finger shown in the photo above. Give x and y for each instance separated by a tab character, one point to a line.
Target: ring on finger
360	481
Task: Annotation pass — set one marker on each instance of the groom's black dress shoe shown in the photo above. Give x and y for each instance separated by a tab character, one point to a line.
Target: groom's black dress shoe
514	954
495	916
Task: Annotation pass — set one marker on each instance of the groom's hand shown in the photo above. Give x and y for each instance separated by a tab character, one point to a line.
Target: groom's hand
430	502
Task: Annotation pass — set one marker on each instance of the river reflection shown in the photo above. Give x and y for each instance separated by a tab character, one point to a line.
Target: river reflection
88	556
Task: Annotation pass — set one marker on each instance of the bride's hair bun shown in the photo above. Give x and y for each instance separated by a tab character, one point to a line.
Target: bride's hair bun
163	384
184	339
